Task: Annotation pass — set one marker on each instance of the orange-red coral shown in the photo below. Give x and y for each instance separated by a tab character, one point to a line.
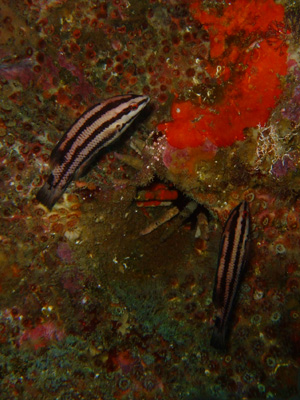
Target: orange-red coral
247	56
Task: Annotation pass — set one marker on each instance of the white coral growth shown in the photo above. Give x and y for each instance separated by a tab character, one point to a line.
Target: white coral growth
272	146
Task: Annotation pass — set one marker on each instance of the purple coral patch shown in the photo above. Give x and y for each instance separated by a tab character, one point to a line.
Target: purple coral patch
283	165
64	252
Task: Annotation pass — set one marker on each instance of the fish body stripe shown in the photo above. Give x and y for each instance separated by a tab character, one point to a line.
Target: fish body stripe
86	121
94	137
232	259
96	128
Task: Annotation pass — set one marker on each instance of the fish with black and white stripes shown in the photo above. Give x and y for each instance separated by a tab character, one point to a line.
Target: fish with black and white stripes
77	149
233	255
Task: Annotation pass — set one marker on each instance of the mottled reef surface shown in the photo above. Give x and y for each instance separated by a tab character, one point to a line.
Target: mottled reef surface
109	295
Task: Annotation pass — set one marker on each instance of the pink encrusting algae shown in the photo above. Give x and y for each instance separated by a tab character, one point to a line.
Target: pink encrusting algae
41	335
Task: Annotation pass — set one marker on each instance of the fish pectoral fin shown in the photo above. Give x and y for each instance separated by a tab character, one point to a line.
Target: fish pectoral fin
86	166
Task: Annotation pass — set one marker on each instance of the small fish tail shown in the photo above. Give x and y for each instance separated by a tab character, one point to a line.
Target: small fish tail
218	338
48	195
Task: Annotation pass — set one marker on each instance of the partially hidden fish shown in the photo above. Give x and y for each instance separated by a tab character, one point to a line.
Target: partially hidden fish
98	127
233	256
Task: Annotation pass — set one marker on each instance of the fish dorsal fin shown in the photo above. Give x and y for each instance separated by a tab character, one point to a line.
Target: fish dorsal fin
57	155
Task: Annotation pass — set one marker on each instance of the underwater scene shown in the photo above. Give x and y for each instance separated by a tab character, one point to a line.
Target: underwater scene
150	199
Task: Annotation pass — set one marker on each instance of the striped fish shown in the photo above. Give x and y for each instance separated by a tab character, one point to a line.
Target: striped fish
78	148
233	255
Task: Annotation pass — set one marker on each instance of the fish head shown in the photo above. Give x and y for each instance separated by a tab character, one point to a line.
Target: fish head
129	107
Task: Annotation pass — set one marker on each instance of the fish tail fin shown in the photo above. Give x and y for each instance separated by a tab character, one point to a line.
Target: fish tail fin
218	338
48	195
